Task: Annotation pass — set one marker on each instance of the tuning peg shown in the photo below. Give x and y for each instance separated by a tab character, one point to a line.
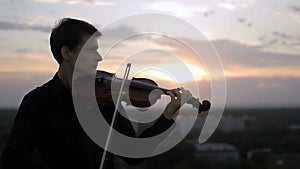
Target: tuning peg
205	105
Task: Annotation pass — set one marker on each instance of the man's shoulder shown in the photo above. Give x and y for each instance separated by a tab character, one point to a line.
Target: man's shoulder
41	91
34	100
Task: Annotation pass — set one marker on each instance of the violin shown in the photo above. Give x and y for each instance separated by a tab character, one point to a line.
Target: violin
138	91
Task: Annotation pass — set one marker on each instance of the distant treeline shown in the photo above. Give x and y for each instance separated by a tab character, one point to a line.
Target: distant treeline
270	118
273	133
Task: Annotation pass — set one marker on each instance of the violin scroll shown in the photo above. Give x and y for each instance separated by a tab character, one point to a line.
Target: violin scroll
204	106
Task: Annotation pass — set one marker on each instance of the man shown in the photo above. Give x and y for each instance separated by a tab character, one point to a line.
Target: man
46	133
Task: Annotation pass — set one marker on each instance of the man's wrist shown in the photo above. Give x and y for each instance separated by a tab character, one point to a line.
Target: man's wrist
167	116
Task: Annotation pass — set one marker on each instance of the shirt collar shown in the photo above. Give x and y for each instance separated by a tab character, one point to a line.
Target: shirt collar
57	86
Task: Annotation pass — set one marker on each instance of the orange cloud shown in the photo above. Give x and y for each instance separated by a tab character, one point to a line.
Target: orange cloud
238	71
265	85
25	65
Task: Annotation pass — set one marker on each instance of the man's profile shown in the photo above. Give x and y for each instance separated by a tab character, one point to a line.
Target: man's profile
47	134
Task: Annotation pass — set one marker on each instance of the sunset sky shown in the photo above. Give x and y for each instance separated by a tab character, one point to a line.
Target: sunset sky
258	42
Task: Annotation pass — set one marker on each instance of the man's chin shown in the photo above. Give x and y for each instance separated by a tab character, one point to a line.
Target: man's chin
85	72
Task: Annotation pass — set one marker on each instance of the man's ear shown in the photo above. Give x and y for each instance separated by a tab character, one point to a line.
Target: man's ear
65	53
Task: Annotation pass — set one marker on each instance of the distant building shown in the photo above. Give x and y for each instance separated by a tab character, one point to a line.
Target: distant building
294	127
280	159
237	123
217	151
255	151
231	123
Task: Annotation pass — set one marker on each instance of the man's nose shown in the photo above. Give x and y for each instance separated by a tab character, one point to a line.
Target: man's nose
98	57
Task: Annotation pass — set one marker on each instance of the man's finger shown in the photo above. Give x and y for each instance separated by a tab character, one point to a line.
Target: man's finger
186	95
172	95
177	93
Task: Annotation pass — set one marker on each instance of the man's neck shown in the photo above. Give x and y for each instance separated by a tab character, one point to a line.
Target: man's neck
65	74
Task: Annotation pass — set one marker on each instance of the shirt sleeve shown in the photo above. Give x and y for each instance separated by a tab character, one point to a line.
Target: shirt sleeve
161	125
20	149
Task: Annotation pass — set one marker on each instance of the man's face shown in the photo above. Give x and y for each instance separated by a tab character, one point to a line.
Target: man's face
86	57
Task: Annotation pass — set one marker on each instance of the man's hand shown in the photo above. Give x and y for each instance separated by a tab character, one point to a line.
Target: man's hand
178	96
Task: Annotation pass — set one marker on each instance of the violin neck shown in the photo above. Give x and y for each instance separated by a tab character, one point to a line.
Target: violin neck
146	86
193	101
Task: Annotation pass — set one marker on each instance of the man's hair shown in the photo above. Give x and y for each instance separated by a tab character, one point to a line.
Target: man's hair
69	32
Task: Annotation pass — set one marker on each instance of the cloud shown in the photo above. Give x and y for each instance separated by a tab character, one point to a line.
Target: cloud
282	35
295	13
117	32
242	20
94	2
208	13
295	17
47	1
261	78
176	8
253	56
242	70
281	41
271	85
233	4
139	49
239	60
263	92
30	51
228	4
4	25
295	8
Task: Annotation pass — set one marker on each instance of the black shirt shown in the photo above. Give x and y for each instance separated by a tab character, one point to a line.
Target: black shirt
47	134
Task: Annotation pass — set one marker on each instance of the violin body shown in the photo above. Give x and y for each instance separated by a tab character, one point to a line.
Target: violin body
138	92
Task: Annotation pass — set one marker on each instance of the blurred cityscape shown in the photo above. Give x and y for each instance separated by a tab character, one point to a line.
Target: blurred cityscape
244	139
